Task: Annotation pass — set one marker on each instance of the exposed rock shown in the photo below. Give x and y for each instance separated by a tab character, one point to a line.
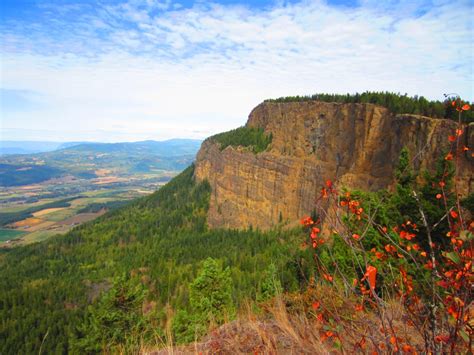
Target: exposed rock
357	145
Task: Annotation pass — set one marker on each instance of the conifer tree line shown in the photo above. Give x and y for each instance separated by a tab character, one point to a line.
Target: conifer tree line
395	102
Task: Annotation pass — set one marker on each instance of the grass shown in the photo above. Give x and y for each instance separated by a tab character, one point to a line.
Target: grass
289	324
7	234
39	236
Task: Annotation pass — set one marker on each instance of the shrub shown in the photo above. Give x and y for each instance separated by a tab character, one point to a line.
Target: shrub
424	260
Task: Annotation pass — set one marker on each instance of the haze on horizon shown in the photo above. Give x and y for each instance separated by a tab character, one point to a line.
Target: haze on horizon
143	69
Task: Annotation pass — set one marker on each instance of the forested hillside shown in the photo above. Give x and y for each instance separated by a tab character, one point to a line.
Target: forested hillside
56	295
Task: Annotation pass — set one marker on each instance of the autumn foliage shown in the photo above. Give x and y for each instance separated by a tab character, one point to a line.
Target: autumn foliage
423	263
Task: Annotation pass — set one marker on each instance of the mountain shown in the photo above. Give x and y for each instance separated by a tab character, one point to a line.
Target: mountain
85	160
172	147
214	244
354	144
27	147
71	144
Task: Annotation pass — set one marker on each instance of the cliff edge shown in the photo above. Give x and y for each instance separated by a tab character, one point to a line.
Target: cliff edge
357	145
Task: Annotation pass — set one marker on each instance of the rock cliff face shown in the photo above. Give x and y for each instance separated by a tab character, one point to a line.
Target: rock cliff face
357	145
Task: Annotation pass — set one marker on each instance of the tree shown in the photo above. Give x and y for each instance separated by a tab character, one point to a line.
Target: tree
116	319
211	302
271	285
211	293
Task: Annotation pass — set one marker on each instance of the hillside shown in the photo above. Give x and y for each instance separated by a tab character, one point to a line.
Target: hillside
162	238
376	193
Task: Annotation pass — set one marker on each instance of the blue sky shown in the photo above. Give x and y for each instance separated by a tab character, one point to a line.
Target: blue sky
149	69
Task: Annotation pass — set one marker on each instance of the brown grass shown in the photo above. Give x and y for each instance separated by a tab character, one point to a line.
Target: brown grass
289	325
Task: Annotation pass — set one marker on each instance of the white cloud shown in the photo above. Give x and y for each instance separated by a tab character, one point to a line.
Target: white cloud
160	71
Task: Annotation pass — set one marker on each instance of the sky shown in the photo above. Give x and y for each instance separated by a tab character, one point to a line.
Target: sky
132	70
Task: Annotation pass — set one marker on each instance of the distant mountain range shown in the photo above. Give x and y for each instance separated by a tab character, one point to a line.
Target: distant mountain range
85	159
32	147
171	147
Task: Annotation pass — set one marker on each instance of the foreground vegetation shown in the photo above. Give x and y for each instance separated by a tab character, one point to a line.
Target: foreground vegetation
413	247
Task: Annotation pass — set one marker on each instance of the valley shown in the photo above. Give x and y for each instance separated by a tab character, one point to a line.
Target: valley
45	194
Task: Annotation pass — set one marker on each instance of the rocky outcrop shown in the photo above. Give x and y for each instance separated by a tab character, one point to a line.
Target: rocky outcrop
357	145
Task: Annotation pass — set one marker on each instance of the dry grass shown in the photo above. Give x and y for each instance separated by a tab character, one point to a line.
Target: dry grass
290	325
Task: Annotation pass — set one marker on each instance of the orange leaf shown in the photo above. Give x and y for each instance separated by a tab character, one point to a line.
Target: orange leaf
307	221
371	274
407	348
324	193
379	255
442	338
328	277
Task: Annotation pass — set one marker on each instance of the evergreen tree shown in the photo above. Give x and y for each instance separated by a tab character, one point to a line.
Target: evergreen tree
211	293
271	285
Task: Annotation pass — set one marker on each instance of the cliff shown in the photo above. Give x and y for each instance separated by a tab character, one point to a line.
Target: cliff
357	145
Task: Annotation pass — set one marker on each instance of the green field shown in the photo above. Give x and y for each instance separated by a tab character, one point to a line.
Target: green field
7	234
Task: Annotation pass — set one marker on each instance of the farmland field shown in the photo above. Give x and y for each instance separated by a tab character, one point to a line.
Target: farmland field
7	234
